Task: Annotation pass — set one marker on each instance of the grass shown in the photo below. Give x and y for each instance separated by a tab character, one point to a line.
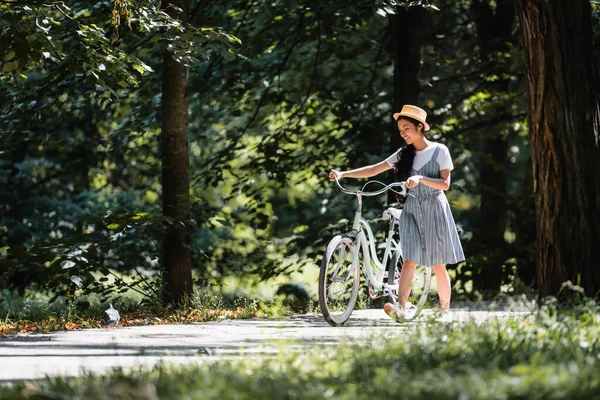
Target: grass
554	353
19	315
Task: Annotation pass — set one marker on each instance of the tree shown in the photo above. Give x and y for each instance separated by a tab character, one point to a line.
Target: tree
494	37
406	28
177	278
563	122
89	102
81	175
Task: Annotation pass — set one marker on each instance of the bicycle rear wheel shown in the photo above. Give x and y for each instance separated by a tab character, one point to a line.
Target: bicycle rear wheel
339	280
419	288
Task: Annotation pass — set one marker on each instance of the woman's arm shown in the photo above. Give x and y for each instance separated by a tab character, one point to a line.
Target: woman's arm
443	183
364	172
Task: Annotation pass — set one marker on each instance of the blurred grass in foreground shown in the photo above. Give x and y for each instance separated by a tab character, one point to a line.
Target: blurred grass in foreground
551	353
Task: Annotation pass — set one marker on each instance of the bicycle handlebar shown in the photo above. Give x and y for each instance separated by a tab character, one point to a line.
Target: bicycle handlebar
402	185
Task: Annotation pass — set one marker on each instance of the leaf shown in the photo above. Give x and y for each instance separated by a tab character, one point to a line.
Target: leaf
77	280
66	264
137	217
10	66
70	326
142	68
139	68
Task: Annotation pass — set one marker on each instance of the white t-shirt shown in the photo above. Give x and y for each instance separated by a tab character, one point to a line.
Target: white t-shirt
422	157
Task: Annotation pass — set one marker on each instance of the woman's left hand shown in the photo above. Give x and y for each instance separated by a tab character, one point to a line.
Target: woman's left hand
413	181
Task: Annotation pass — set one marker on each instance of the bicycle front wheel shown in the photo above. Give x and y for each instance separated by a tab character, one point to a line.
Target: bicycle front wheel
419	289
339	280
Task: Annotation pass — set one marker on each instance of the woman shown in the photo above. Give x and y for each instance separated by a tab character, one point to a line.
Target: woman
428	234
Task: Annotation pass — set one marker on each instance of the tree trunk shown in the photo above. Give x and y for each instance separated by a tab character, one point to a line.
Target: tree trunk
494	35
177	275
563	124
13	200
406	30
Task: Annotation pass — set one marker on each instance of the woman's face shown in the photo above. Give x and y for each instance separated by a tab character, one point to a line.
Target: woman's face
408	130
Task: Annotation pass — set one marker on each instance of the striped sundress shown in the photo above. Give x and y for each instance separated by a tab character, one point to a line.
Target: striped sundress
428	234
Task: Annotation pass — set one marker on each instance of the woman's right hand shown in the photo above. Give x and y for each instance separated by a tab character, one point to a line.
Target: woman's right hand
335	174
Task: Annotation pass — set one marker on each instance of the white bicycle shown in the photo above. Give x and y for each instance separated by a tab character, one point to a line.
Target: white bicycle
339	277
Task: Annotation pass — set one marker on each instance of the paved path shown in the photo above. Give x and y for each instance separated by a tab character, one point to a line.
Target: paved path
69	353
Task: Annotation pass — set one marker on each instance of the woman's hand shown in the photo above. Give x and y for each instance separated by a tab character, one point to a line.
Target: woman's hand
337	174
413	181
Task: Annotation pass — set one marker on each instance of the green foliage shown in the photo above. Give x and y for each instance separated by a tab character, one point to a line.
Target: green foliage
68	197
280	92
391	5
95	259
549	353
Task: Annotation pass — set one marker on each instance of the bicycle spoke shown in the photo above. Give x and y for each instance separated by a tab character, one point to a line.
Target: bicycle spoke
334	277
339	278
338	281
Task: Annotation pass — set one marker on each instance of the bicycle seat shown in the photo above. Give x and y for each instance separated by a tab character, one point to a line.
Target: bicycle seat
392	212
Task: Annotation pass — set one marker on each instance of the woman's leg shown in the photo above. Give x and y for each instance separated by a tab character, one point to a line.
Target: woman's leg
443	285
404	284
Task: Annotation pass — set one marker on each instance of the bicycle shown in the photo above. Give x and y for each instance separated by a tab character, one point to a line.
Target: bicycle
340	269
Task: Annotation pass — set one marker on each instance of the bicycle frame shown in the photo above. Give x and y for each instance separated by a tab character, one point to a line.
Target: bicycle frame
368	245
368	242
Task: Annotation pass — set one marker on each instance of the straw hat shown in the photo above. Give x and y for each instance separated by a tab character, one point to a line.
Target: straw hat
413	112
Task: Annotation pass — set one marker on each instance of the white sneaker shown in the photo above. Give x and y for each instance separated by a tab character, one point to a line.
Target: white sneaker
395	311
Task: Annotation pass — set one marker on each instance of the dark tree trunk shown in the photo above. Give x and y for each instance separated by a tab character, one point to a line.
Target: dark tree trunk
406	30
563	124
84	156
12	204
177	278
494	35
